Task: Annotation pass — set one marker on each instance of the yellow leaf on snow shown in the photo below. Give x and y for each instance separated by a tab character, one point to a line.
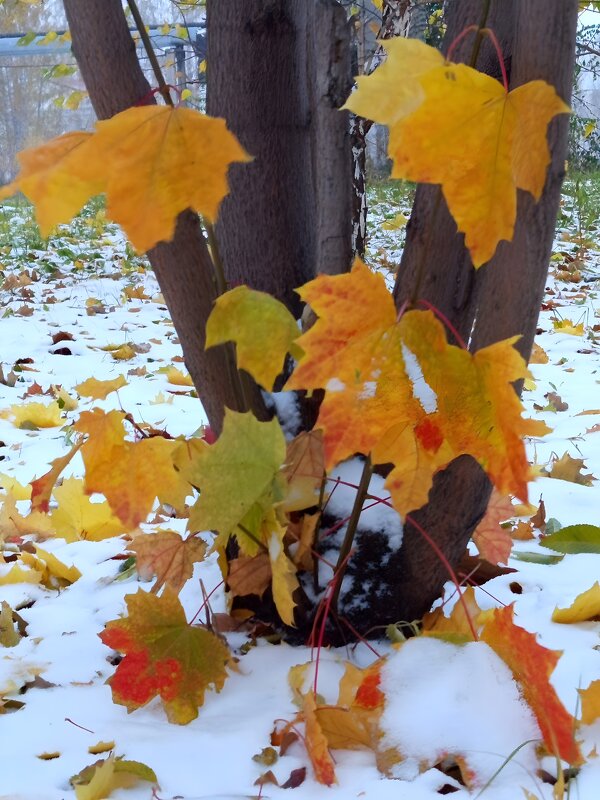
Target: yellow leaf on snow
34	415
177	377
167	556
590	703
567	326
129	474
16	573
42	487
153	162
457	625
447	109
99	390
14	524
77	517
586	606
101	779
567	468
54	572
12	485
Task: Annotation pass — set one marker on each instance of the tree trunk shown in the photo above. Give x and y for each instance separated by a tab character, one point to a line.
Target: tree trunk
278	70
500	300
107	58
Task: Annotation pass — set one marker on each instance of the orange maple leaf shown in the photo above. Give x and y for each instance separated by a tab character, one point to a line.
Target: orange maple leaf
130	474
316	742
167	556
41	488
153	162
398	390
532	665
164	656
493	541
444	109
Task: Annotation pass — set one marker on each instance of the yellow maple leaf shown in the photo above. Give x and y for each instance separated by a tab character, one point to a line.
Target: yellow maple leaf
54	573
34	415
398	390
14	524
568	326
18	573
129	474
284	580
12	485
177	377
452	108
78	518
586	606
153	162
590	703
98	390
261	327
59	177
101	779
162	161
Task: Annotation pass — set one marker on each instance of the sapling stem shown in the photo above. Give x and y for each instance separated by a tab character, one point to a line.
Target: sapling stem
342	562
146	41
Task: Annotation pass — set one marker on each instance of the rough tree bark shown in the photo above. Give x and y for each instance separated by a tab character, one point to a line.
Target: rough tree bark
107	58
278	70
500	300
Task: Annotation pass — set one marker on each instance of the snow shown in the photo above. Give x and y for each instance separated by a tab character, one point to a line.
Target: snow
441	699
445	687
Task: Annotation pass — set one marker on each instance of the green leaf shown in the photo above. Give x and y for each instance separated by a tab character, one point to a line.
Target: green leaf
537	558
238	471
262	328
574	539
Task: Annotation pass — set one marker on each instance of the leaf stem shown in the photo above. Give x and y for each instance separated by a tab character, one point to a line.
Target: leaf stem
146	41
342	562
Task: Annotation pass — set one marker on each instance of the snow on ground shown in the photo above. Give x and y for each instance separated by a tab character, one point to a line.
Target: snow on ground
440	697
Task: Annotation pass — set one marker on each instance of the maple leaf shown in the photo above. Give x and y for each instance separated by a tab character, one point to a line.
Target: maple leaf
574	539
304	470
532	665
316	743
284	580
12	485
77	517
456	627
55	573
130	474
567	468
586	606
261	327
59	177
167	556
98	390
249	575
9	635
34	415
14	524
237	476
590	703
41	488
493	541
101	779
398	390
452	108
177	377
164	656
153	162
